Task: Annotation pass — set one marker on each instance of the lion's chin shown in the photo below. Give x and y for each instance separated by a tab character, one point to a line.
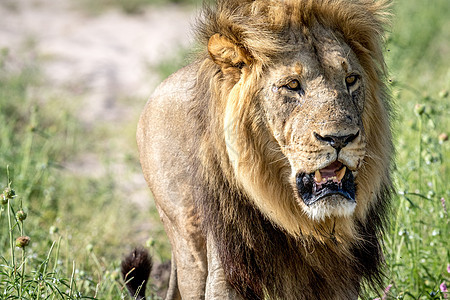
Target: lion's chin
332	206
328	191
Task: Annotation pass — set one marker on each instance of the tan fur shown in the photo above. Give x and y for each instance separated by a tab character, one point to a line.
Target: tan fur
245	137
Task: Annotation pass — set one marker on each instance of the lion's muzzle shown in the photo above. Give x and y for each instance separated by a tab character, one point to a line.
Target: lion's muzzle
335	179
337	142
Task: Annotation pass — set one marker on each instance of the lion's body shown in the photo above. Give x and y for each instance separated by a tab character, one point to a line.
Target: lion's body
235	145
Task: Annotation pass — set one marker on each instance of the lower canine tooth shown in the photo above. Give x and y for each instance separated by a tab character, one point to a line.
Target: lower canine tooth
318	176
340	174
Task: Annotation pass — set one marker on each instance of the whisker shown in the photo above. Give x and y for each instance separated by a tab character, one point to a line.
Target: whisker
278	160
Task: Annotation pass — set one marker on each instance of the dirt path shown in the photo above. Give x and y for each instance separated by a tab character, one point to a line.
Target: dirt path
106	56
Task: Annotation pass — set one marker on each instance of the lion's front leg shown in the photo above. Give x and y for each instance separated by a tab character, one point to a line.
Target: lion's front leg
188	274
216	285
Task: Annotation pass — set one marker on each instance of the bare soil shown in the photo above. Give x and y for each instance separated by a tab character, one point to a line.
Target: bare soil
106	56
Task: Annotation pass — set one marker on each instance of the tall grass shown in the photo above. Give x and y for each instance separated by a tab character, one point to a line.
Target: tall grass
35	140
416	246
79	225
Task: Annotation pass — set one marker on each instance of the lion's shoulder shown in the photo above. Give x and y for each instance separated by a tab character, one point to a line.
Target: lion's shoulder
165	128
177	87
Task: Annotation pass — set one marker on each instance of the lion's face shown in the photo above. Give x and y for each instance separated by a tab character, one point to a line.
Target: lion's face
306	132
313	100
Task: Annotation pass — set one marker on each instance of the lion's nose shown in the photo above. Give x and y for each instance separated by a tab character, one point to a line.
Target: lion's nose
337	142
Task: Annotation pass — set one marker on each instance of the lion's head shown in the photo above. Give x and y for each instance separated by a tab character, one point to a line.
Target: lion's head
299	86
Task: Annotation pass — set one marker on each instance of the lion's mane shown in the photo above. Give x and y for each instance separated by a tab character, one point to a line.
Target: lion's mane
261	257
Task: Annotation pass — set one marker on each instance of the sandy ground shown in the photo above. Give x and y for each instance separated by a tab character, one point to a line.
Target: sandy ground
108	55
99	60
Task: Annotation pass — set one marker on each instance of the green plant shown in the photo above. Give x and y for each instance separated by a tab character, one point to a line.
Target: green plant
61	211
416	245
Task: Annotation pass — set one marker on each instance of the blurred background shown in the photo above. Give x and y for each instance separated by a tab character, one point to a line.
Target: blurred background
74	77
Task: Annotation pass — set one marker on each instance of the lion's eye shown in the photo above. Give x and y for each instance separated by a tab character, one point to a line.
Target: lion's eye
293	85
351	80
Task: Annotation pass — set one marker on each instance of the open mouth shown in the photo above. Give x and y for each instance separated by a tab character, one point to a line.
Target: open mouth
335	179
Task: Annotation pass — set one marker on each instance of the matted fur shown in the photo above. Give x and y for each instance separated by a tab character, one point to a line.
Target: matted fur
282	253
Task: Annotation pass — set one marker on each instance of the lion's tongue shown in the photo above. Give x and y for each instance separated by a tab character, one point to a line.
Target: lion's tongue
333	172
330	170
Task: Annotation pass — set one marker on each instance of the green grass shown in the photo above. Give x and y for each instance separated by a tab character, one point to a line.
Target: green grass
80	225
416	245
35	140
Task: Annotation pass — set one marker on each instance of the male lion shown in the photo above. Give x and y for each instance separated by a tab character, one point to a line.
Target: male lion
269	157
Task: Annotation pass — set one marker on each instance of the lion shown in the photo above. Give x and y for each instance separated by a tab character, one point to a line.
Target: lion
269	156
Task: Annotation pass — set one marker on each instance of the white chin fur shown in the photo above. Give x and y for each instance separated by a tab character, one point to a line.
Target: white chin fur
335	206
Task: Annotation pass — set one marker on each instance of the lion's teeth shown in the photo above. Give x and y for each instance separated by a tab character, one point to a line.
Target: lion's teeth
340	174
318	176
324	179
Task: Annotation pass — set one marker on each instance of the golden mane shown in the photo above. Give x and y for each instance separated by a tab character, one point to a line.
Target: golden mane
224	107
260	29
260	26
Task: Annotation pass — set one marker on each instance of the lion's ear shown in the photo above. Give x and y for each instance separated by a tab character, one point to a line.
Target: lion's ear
229	56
